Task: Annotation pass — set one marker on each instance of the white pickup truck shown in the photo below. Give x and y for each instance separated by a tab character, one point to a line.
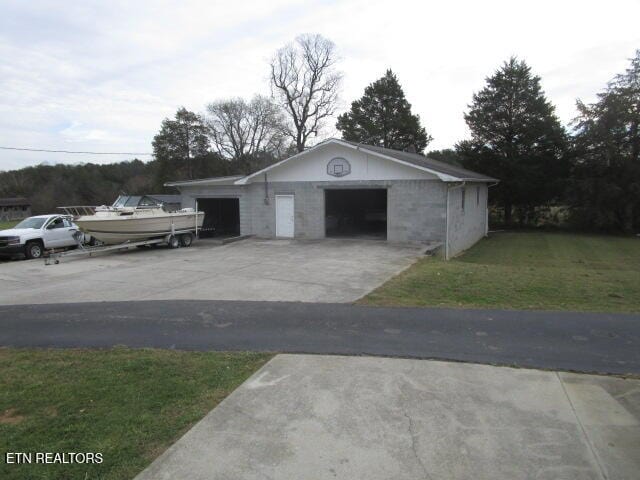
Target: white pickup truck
33	235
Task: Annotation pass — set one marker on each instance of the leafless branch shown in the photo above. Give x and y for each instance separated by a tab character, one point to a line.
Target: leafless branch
306	82
239	128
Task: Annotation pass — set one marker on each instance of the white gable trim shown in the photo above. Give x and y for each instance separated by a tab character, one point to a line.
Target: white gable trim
205	181
244	181
442	176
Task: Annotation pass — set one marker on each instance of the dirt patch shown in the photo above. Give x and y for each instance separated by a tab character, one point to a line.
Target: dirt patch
10	417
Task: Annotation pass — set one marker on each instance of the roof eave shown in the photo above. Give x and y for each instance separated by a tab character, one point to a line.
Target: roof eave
204	181
441	176
445	177
480	180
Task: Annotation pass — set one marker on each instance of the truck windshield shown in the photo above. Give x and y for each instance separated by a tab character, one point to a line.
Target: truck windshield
31	222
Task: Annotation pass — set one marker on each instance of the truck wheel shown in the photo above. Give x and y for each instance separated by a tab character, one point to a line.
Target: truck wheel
33	250
186	239
174	242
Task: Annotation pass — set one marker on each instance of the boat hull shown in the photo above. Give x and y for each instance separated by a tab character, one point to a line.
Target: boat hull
112	229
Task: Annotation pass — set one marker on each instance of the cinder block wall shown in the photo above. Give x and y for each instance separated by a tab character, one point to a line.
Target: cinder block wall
415	208
468	226
416	211
308	208
191	193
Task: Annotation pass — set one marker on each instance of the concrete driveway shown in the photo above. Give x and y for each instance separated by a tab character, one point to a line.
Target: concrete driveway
287	270
369	418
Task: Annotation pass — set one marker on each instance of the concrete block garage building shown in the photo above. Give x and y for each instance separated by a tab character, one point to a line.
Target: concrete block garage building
343	189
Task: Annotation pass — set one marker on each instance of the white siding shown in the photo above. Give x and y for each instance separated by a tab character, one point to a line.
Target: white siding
313	167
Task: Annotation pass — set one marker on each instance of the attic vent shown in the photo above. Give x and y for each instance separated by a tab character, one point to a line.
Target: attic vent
338	167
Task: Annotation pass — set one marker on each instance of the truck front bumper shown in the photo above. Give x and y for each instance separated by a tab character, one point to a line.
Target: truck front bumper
9	250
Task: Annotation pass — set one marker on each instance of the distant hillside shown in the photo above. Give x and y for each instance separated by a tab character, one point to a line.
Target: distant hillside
51	186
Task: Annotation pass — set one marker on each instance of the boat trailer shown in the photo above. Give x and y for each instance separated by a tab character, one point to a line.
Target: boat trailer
175	239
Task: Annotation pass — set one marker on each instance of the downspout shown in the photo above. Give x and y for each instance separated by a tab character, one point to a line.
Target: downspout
446	235
266	190
486	208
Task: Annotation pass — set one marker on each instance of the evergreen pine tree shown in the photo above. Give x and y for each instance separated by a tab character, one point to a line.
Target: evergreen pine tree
517	138
383	117
605	187
178	143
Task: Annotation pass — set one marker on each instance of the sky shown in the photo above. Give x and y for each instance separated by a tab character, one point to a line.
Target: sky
101	76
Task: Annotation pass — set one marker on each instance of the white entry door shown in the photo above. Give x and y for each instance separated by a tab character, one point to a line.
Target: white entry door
284	216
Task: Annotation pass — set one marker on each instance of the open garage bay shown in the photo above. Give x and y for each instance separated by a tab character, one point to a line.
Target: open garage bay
221	217
356	213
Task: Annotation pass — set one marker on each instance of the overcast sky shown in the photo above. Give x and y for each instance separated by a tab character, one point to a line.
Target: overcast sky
101	76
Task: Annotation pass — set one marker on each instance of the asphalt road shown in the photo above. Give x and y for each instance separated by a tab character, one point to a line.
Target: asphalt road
584	342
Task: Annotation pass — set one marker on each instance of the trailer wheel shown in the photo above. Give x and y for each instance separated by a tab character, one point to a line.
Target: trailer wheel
186	239
94	242
174	242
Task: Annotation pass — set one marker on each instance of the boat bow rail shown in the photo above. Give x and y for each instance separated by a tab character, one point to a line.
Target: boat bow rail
79	210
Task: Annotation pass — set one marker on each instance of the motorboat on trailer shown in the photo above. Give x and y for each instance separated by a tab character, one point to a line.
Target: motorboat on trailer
132	218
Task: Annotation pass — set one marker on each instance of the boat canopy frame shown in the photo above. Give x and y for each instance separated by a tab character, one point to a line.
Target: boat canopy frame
137	202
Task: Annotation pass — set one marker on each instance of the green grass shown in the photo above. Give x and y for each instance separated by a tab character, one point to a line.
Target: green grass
130	405
532	270
7	225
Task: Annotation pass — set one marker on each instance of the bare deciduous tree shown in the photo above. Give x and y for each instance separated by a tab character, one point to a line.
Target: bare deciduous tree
304	79
239	128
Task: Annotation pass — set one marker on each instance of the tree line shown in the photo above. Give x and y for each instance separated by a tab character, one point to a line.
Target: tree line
590	169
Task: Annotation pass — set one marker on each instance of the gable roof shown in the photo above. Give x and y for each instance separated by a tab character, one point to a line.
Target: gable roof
444	171
426	162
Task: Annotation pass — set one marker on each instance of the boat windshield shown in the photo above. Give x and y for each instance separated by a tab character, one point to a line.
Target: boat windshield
135	201
31	222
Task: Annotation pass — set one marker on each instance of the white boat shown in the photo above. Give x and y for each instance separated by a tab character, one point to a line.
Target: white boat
134	218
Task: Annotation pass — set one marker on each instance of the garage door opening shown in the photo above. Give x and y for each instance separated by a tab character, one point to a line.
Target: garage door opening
357	213
221	217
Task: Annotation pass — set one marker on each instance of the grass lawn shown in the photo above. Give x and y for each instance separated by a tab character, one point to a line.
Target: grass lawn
525	270
130	405
7	225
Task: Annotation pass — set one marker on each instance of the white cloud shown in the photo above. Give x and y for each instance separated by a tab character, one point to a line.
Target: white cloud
76	132
101	76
